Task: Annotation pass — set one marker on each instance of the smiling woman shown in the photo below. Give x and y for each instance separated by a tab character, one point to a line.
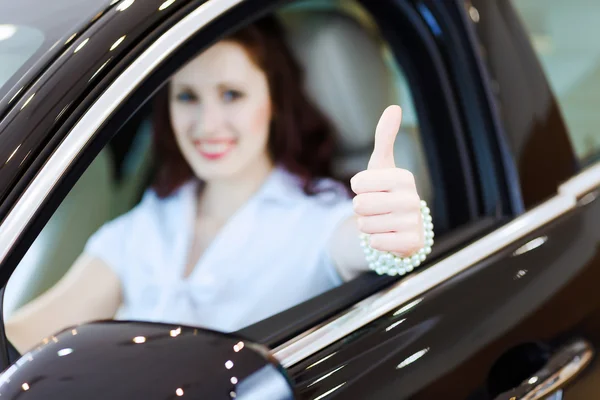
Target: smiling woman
244	188
253	75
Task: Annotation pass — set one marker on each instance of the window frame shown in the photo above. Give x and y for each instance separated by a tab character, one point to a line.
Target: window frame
539	147
495	172
129	101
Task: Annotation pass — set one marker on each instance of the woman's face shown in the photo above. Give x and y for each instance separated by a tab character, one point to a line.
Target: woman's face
221	112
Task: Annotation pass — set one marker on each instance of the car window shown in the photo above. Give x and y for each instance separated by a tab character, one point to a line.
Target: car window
563	36
105	215
17	44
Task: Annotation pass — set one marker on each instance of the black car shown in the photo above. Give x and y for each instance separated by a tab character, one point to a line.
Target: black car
506	307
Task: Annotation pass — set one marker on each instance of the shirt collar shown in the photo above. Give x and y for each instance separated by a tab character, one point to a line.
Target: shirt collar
281	186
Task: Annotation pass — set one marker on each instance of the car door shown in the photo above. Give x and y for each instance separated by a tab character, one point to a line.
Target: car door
511	314
70	133
397	338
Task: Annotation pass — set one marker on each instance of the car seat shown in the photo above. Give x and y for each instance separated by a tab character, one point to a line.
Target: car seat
352	77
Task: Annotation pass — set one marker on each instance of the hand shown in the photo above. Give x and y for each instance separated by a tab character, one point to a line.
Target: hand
386	202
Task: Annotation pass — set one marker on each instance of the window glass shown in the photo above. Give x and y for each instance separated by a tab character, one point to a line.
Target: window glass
175	259
564	35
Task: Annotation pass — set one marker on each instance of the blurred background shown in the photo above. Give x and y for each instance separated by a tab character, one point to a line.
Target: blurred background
565	36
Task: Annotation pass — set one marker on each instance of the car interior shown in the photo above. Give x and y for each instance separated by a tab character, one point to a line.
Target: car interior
350	75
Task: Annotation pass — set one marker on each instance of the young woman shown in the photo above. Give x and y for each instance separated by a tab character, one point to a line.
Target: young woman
244	219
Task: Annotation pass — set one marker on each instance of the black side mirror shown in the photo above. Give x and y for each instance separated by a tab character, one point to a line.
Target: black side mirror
125	360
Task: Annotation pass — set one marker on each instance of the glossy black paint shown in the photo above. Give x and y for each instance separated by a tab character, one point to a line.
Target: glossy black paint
126	360
62	19
444	344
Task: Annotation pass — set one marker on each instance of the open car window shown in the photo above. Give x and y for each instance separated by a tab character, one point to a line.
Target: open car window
119	179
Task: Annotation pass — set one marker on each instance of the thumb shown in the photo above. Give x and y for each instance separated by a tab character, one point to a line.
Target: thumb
385	135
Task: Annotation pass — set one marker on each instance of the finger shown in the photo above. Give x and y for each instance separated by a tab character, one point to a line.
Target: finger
383	180
404	244
389	223
385	135
378	203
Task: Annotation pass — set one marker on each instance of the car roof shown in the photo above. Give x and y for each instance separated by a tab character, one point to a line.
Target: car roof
57	18
47	94
55	21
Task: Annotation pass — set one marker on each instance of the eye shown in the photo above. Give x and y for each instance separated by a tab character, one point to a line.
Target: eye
232	95
186	97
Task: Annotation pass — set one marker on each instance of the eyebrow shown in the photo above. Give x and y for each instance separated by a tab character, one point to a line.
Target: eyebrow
185	86
226	82
234	84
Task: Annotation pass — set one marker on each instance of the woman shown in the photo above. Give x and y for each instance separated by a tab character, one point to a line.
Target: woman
243	219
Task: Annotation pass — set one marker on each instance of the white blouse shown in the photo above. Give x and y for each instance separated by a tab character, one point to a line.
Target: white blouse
271	255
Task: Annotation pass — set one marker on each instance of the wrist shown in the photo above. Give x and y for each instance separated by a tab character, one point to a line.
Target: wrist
384	262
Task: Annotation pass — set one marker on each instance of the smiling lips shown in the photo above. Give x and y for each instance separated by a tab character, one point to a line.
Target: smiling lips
214	149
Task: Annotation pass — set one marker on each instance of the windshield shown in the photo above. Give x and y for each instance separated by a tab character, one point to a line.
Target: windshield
17	44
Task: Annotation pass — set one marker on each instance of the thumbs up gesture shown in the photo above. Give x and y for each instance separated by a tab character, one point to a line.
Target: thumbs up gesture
386	203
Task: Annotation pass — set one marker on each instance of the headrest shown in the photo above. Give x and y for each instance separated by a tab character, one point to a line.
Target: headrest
352	78
345	72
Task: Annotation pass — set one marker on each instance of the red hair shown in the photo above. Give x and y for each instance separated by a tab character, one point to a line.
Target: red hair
300	138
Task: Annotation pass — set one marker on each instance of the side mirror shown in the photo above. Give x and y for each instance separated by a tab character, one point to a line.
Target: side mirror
125	360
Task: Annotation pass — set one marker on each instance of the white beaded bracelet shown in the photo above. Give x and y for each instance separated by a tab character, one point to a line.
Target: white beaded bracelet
383	262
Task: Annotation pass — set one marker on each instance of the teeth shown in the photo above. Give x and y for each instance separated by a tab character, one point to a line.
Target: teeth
214	147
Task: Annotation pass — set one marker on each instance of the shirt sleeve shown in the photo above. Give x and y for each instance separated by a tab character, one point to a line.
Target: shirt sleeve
109	244
335	216
113	241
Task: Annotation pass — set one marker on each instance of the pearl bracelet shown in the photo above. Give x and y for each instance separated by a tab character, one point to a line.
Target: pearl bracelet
384	262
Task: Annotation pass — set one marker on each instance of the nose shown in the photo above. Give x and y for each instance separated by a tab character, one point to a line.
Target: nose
211	119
